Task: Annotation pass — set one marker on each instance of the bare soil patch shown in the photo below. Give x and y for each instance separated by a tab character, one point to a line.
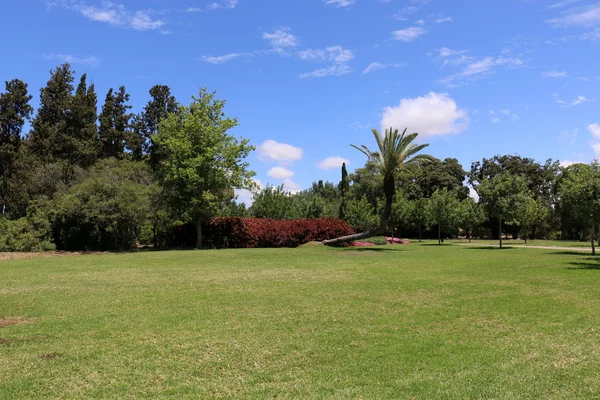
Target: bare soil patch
11	322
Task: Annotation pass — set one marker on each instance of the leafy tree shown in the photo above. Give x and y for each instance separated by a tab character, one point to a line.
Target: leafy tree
471	216
360	215
272	202
500	196
394	151
14	111
114	128
106	211
203	163
423	179
530	212
48	138
443	210
580	194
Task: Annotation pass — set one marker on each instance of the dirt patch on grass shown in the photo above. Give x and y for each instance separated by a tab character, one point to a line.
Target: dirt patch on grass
3	341
20	256
49	356
11	322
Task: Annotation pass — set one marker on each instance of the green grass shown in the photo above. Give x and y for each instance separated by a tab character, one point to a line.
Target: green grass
519	242
389	322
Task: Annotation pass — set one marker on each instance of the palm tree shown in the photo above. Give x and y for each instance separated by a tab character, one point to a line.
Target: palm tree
394	151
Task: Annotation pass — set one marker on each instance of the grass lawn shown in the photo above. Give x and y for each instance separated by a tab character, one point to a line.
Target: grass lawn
519	242
389	322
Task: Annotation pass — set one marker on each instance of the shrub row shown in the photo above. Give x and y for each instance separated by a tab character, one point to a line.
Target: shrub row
237	232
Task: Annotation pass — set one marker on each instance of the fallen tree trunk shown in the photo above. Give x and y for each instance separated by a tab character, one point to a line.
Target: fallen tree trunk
351	238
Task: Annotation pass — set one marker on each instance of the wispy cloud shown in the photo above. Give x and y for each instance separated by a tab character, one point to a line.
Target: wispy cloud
580	16
114	14
215	5
334	54
91	61
281	38
555	74
408	34
221	59
375	66
575	102
339	3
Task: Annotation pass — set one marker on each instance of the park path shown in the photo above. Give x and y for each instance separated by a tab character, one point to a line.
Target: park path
523	246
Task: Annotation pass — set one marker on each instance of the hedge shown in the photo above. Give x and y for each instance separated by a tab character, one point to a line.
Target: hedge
238	232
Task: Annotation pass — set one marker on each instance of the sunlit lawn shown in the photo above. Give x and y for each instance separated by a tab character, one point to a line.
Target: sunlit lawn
390	322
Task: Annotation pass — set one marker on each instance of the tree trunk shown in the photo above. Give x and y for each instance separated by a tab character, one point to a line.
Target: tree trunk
199	234
439	234
500	231
351	238
420	233
593	234
469	234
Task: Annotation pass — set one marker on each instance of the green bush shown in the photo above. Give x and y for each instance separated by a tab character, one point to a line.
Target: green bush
31	233
376	240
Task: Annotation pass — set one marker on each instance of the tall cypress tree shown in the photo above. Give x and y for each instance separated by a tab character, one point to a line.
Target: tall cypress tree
81	125
344	186
115	126
48	141
158	108
14	110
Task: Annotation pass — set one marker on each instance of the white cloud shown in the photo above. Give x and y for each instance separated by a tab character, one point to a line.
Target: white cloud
431	115
333	162
270	150
339	3
221	59
91	61
114	14
568	163
281	38
280	173
496	120
579	100
555	74
335	54
593	36
478	69
581	16
562	3
247	196
408	34
473	194
596	147
291	186
334	70
377	66
594	129
443	19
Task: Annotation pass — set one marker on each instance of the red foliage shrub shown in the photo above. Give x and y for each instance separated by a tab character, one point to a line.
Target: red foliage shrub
237	232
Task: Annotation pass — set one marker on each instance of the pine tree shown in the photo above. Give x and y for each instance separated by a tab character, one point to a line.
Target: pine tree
158	108
49	126
14	110
115	129
81	125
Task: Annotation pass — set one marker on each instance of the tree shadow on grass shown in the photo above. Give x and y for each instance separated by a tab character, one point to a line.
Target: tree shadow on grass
572	253
587	263
490	247
374	249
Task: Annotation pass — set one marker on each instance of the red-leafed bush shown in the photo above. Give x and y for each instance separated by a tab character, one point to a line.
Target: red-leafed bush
237	232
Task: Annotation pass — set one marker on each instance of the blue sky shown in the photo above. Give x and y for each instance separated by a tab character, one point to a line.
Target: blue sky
307	78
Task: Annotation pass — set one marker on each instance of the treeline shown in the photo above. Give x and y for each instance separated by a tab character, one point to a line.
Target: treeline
85	177
518	197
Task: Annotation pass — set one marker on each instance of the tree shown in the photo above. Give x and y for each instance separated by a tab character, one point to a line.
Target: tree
14	111
344	184
81	130
500	196
360	215
48	140
114	128
471	216
443	210
272	202
394	150
203	163
530	212
580	194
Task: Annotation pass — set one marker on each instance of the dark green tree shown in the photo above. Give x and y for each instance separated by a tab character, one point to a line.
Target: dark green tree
48	138
14	111
82	133
114	130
